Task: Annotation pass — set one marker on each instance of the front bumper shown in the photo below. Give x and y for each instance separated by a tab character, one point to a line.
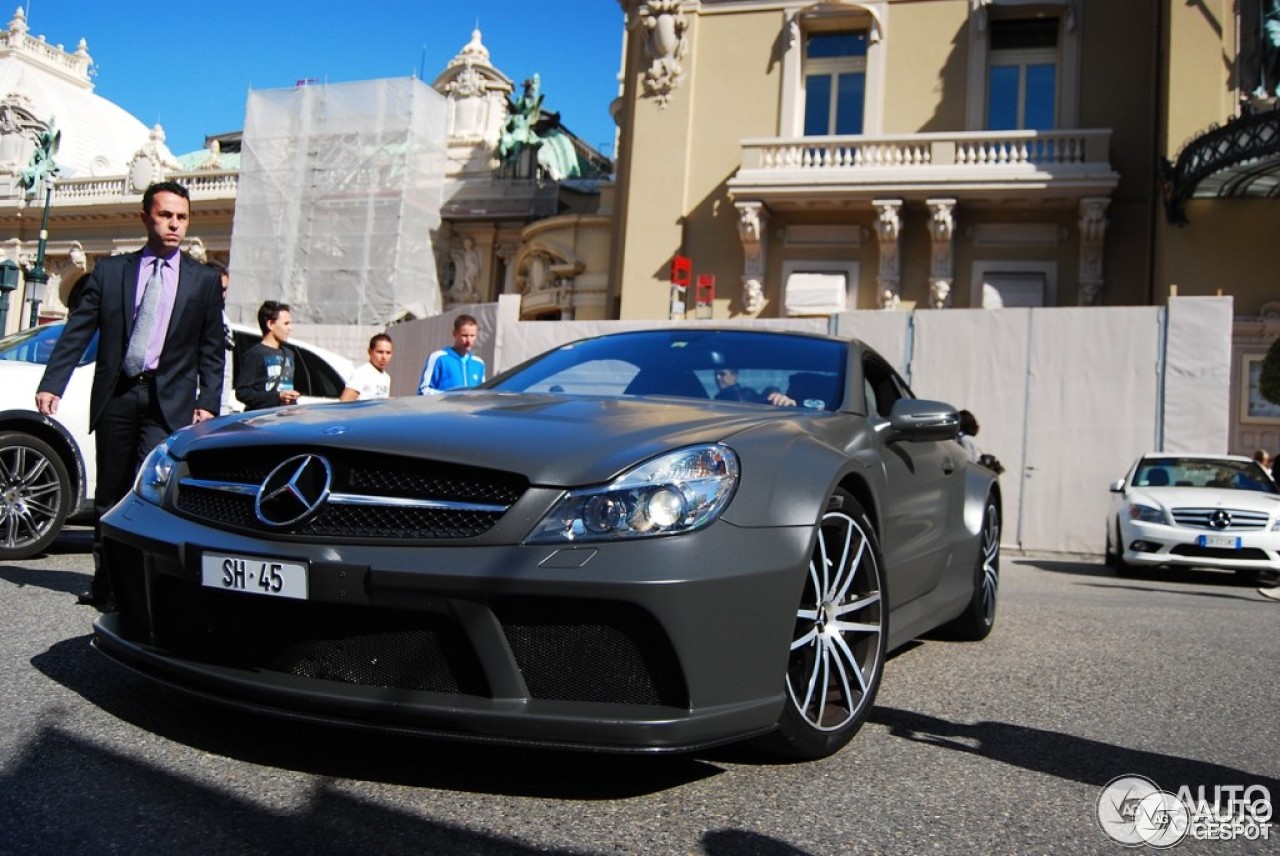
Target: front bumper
661	644
1152	544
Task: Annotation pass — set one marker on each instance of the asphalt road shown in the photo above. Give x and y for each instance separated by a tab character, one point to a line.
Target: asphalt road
991	748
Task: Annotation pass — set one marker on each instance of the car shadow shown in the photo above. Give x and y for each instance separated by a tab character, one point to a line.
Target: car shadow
1065	756
1187	576
352	753
70	582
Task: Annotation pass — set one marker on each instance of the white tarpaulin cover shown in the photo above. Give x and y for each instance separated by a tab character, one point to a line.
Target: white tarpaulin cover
340	189
815	293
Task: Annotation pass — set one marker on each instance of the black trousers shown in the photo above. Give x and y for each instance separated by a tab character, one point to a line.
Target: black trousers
131	426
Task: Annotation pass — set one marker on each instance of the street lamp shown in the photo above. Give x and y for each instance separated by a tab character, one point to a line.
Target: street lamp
37	276
9	275
41	172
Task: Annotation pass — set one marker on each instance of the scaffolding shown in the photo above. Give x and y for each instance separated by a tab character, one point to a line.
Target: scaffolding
339	194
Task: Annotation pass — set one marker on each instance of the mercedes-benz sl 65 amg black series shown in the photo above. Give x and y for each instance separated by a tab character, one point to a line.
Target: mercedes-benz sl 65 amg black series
646	541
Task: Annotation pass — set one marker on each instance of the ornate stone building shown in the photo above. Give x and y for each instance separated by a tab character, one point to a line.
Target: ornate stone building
952	154
107	158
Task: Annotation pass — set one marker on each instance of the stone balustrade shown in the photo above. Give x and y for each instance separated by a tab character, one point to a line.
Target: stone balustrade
967	149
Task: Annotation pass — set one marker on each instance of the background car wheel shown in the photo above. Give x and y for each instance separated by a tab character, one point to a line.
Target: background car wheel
979	616
35	495
1115	557
838	648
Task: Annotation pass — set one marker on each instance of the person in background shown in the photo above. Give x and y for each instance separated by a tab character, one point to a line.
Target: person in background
371	380
968	431
229	343
729	389
454	367
1263	457
266	372
157	313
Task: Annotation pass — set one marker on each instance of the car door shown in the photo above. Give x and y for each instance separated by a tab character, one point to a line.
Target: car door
922	495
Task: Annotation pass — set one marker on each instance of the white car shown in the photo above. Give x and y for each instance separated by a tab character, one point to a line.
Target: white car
48	465
1210	511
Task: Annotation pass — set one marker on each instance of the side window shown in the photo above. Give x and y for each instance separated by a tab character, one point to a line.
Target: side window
882	387
315	377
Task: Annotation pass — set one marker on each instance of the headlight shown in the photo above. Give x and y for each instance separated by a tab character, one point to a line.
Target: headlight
677	492
155	474
1145	513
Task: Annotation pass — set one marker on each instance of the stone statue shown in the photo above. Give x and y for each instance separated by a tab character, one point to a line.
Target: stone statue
466	270
42	164
1269	43
522	115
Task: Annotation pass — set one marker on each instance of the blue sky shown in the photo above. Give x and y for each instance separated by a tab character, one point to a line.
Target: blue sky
190	66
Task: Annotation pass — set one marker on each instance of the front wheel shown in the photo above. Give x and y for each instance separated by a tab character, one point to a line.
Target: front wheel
837	651
35	495
979	616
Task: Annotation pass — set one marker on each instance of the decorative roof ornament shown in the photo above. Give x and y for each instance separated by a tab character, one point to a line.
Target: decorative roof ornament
152	162
664	28
473	51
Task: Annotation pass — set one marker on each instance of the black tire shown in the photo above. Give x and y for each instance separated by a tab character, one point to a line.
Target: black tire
975	623
1115	556
35	495
837	651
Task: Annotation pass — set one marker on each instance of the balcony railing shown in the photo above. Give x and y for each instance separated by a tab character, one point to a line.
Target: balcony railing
201	183
928	159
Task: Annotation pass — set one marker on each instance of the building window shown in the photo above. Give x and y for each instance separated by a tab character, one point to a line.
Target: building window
1022	74
833	69
1024	65
835	82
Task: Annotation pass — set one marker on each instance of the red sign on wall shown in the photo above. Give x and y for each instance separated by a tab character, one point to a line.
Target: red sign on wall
706	293
681	271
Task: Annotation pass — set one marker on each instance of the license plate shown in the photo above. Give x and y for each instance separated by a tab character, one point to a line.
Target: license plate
254	575
1227	542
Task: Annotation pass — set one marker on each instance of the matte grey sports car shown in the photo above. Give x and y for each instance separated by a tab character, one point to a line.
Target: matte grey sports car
658	540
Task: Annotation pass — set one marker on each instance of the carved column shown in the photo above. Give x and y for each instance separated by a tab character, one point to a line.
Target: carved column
1093	228
506	253
753	219
888	229
942	229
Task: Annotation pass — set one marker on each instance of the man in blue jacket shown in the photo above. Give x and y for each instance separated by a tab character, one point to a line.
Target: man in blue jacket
454	367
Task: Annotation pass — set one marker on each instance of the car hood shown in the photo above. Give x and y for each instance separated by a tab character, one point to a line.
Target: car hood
551	439
1207	497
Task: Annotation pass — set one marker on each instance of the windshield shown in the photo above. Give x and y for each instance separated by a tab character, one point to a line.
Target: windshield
1203	472
35	345
748	367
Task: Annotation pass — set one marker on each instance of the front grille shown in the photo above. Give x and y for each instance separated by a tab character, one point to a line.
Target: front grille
592	651
1241	519
371	647
575	651
364	474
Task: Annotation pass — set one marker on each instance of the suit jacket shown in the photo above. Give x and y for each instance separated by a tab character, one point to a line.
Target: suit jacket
189	373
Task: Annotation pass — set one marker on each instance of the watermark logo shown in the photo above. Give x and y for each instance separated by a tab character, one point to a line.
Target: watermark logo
1134	811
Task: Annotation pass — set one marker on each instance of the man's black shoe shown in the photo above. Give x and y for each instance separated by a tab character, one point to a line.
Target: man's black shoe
104	603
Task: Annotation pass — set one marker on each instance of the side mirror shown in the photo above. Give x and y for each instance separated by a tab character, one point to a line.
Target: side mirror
1117	486
918	420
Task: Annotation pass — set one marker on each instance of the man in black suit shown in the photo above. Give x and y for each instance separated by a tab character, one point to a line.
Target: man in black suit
149	385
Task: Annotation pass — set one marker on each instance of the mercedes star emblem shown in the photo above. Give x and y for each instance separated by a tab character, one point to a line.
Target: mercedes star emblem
294	490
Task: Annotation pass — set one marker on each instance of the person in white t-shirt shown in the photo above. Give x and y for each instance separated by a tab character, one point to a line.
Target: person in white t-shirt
371	380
